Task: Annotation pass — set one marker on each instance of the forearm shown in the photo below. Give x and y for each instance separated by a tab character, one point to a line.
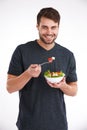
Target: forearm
16	83
70	89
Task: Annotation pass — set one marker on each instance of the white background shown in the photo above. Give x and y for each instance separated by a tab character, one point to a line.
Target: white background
17	26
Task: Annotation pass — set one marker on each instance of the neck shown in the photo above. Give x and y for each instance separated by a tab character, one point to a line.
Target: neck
45	46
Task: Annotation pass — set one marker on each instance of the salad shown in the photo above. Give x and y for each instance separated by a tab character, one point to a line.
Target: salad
50	74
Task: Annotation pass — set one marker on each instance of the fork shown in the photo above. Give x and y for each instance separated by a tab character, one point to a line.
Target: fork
44	63
50	60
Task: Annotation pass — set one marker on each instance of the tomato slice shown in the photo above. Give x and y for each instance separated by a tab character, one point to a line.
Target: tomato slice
50	59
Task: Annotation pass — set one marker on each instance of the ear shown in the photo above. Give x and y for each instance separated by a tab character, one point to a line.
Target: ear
37	26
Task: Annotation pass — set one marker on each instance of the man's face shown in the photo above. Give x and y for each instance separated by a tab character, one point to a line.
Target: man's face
48	30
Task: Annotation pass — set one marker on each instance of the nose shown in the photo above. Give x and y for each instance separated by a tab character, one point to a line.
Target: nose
49	31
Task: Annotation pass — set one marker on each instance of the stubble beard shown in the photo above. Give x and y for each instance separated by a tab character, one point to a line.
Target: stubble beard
47	43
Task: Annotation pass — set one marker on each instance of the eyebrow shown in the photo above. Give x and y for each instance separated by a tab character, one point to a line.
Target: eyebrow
54	26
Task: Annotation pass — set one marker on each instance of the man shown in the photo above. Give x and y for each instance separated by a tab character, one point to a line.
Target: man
42	105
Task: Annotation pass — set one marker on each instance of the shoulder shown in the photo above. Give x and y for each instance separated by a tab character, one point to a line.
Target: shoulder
26	47
63	49
27	44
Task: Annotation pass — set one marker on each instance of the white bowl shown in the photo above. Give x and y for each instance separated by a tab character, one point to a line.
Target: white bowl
54	80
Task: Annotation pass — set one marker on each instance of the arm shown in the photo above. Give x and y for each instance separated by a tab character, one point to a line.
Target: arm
16	83
69	89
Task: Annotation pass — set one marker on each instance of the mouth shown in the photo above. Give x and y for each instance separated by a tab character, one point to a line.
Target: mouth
49	37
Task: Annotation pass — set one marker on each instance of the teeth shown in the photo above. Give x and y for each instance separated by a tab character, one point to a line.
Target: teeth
49	36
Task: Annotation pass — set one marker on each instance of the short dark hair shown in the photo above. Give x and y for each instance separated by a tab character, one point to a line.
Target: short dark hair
50	13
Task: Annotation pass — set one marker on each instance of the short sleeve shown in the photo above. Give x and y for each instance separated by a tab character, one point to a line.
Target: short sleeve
16	65
72	75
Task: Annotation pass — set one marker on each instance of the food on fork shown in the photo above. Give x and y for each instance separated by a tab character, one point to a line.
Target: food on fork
50	59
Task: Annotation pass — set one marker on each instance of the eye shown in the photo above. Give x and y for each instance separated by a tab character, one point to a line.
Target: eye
44	27
54	27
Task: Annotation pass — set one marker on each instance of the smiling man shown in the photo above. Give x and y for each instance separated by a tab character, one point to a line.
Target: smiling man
41	104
